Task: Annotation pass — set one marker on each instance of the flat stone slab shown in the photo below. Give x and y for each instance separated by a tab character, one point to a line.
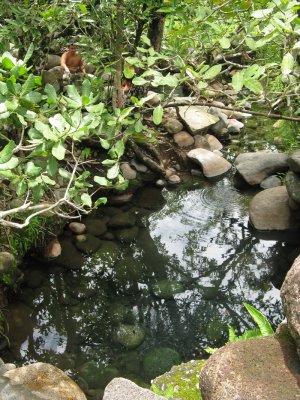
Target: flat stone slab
212	164
266	368
269	210
255	167
196	118
290	294
124	389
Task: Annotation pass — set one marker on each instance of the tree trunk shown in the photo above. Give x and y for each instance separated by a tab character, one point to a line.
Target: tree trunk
117	96
156	28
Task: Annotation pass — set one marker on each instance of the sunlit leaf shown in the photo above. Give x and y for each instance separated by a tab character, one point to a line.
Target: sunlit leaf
158	114
287	64
238	81
86	200
212	72
225	43
101	180
59	151
7	152
113	172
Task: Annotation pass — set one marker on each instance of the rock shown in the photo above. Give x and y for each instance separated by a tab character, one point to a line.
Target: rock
196	118
108	254
270	182
122	220
97	375
52	250
255	167
154	100
54	77
70	257
123	389
138	166
269	210
290	294
7	262
33	278
242	371
129	336
165	289
87	244
117	312
90	68
127	235
211	163
174	180
161	183
172	125
52	61
201	142
292	181
120	199
128	172
77	227
234	126
294	161
94	226
183	378
183	139
46	381
150	198
159	360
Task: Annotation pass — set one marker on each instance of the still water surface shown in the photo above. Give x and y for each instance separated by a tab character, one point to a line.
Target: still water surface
198	237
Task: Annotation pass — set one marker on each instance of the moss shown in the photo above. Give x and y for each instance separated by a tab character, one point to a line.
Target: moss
184	379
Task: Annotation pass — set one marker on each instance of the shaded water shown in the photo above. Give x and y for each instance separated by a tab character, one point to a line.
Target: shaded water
196	236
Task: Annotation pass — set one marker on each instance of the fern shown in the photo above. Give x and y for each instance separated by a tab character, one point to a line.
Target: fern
261	321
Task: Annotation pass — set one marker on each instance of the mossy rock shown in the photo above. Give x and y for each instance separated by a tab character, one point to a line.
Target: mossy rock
9	272
131	363
108	253
96	227
129	336
165	289
117	313
184	379
122	220
127	235
87	244
159	360
97	376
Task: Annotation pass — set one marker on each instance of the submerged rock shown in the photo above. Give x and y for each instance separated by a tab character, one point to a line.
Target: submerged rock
122	220
127	235
159	360
269	210
70	257
94	226
129	336
255	369
97	375
212	164
87	243
124	389
46	382
77	227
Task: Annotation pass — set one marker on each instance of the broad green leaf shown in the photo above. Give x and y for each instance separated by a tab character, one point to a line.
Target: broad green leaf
212	72
149	97
97	108
11	164
138	126
102	181
28	85
32	170
238	81
158	114
261	321
202	85
117	150
21	188
109	162
254	85
48	181
86	200
105	143
64	173
113	172
7	63
128	71
86	88
51	93
251	43
45	130
262	13
287	64
28	53
225	43
33	97
138	81
101	200
169	80
83	8
146	40
74	95
7	152
52	165
58	151
125	112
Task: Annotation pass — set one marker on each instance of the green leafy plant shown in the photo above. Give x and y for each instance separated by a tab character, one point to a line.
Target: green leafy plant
167	392
263	328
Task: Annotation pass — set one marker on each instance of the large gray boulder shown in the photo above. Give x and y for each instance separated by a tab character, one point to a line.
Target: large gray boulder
294	161
46	382
212	164
292	181
269	210
52	60
265	368
255	167
124	389
290	294
196	118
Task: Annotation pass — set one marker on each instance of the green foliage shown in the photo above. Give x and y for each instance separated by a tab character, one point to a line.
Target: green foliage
263	328
168	392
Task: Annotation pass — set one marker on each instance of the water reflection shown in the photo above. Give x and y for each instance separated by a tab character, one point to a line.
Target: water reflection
182	281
